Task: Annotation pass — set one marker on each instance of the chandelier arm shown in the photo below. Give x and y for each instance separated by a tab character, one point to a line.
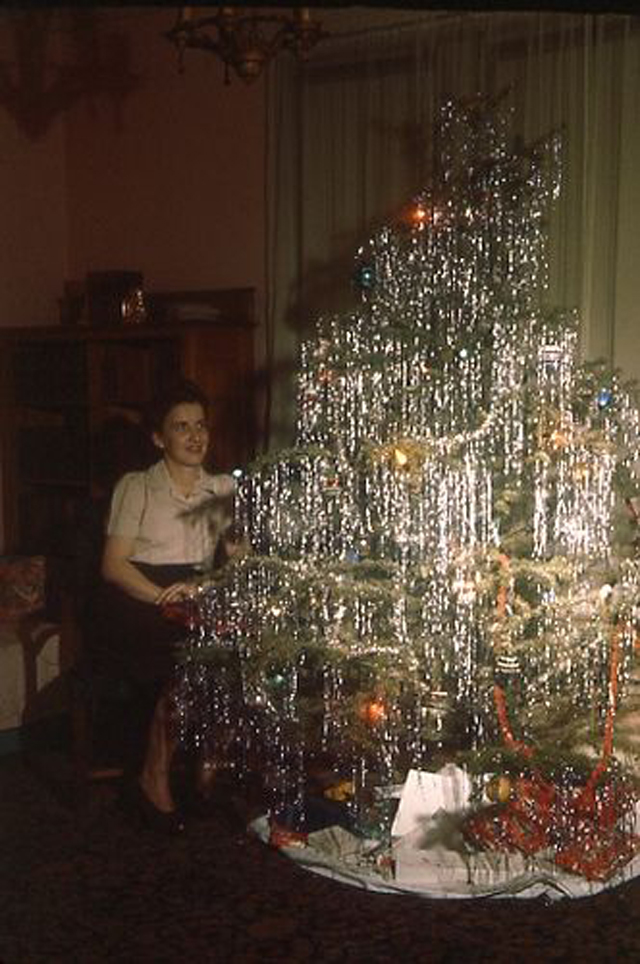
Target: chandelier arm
246	42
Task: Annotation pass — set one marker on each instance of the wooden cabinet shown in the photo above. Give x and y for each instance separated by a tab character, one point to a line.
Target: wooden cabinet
72	399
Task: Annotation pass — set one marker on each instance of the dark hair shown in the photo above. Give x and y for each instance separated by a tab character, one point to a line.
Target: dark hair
177	392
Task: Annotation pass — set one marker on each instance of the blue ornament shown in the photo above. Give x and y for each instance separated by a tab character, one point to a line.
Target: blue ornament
605	397
352	555
365	277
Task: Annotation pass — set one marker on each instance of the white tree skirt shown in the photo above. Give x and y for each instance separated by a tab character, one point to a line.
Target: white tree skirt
427	857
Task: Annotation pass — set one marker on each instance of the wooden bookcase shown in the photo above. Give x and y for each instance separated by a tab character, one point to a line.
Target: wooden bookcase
72	396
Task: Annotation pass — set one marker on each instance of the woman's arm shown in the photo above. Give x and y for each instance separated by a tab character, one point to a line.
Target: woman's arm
117	569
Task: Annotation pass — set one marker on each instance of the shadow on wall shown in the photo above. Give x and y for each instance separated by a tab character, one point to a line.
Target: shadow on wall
34	89
329	285
332	285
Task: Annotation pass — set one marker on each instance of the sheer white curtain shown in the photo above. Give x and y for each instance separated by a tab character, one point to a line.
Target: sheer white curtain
351	142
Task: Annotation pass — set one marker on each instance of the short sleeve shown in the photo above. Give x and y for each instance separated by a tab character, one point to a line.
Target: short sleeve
127	506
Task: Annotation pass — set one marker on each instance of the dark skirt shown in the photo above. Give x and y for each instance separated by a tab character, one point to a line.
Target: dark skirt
130	646
135	639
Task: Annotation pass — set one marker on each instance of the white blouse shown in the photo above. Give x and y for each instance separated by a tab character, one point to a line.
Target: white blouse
167	526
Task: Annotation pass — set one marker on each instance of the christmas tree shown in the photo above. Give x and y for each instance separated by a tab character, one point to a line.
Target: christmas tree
443	566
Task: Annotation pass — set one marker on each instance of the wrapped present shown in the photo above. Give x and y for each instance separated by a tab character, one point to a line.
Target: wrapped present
424	794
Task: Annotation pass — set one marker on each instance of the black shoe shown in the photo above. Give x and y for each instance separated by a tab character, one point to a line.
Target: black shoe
142	809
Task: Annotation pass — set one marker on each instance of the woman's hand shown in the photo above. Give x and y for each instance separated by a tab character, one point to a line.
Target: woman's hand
176	592
117	569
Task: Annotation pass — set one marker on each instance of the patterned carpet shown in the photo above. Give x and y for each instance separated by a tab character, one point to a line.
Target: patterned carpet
81	885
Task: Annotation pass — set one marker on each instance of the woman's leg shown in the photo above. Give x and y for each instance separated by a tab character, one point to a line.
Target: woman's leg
155	774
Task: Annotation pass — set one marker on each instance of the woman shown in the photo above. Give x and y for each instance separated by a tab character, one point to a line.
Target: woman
163	530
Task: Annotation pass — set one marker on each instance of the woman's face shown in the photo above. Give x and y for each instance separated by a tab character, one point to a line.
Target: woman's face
184	438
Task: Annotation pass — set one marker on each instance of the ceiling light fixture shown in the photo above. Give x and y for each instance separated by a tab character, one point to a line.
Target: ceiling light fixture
245	41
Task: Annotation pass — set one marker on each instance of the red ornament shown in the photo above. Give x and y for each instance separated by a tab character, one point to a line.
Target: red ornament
331	484
373	712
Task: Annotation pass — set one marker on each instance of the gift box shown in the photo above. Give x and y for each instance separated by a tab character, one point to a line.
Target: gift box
424	794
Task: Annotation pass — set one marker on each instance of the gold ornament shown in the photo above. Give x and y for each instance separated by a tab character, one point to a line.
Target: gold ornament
581	471
404	455
340	791
555	430
559	439
400	457
499	789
